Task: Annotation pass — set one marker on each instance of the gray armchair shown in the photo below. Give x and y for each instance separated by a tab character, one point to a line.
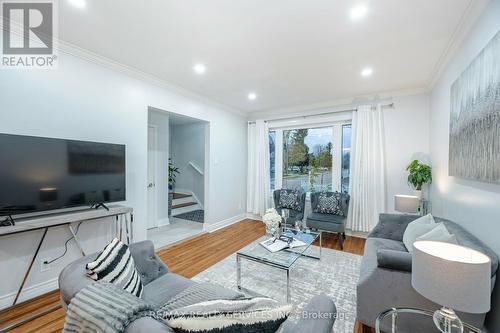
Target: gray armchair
294	215
329	222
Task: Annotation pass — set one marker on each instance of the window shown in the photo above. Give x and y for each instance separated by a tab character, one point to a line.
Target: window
307	159
272	156
311	159
346	155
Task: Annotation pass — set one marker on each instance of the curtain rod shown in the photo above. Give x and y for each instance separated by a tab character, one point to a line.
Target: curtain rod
385	106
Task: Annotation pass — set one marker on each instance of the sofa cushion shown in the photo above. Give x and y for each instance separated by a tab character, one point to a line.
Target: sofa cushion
396	260
148	325
392	226
116	265
259	314
439	234
163	289
326	226
327	218
416	229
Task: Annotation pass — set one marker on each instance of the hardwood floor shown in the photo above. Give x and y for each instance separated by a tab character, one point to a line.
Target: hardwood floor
187	258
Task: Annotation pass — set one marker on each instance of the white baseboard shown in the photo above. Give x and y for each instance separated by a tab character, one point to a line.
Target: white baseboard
29	293
163	222
224	223
252	216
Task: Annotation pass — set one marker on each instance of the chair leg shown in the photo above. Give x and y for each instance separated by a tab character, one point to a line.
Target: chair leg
341	240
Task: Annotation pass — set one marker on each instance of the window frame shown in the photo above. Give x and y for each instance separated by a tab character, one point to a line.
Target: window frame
335	124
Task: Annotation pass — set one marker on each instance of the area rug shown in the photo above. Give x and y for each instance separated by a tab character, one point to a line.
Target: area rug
336	275
195	215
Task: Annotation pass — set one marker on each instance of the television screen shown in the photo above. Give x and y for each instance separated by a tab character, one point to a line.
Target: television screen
38	174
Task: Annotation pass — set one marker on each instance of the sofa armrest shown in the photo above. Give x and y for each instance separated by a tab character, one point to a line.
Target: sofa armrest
318	317
148	264
392	226
395	260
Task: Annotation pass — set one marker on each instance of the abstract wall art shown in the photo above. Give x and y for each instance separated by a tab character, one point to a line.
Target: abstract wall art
475	118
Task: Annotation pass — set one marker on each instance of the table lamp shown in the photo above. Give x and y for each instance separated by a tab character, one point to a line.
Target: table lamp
406	203
453	276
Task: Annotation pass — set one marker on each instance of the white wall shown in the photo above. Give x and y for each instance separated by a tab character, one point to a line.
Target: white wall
406	138
474	205
160	120
187	144
84	101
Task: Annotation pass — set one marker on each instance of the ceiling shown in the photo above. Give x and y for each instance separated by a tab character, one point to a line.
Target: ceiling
289	52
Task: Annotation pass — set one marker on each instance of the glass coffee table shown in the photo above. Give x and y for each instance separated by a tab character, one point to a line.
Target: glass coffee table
284	259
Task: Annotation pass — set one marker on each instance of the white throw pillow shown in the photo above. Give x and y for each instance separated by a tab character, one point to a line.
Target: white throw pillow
439	234
417	228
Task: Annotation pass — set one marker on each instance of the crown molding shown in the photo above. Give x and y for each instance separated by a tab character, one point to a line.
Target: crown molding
469	18
96	59
341	103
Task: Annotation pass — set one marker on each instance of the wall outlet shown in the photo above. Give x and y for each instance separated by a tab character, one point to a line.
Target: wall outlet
44	266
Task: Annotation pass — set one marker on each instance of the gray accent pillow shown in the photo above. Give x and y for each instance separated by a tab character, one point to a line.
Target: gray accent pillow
329	204
290	200
259	314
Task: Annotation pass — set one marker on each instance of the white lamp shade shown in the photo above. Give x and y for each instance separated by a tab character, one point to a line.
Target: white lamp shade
406	203
452	275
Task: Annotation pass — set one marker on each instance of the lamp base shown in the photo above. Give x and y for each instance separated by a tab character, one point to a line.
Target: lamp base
447	321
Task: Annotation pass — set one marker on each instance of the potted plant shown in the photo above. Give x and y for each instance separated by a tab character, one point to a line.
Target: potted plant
173	171
419	174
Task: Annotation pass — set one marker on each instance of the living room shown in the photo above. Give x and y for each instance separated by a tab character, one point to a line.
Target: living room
305	105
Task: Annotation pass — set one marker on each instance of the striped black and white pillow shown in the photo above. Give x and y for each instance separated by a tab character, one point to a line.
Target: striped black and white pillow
116	265
259	314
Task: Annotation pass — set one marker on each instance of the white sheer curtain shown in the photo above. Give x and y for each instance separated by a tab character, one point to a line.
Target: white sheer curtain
258	168
367	174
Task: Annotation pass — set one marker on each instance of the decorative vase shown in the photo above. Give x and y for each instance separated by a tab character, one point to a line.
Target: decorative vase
272	221
418	193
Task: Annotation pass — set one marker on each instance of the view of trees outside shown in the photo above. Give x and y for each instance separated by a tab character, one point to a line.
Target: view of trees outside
307	159
346	155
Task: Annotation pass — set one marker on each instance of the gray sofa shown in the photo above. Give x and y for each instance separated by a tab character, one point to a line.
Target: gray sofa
160	285
385	278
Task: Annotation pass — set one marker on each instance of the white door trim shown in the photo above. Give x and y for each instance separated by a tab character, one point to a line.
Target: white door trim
152	192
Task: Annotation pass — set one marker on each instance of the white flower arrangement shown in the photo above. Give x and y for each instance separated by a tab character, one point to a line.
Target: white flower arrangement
272	221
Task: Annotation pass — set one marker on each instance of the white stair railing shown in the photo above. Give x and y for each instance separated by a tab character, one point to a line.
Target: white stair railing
196	168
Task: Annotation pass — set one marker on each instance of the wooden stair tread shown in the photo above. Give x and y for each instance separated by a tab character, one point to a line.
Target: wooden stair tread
186	204
181	195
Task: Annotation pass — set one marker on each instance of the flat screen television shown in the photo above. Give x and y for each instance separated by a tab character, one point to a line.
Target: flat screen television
39	174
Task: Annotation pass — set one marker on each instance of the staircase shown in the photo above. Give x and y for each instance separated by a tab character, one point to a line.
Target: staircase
183	203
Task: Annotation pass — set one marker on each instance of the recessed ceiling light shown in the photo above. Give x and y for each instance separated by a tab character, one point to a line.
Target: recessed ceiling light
78	3
252	96
199	68
358	12
366	72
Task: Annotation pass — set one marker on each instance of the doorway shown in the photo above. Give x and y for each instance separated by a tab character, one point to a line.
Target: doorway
177	176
